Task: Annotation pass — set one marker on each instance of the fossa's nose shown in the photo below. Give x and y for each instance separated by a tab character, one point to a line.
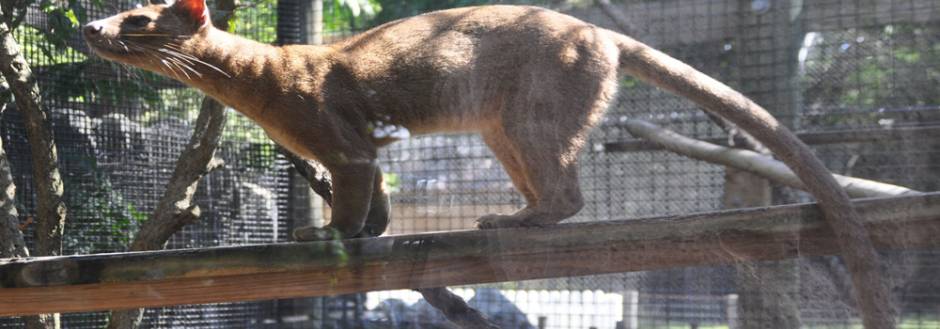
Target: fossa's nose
92	29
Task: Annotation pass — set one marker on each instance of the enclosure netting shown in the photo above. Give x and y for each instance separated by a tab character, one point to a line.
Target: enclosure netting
843	71
119	133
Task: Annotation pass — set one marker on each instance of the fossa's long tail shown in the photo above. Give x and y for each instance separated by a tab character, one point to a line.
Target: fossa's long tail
663	71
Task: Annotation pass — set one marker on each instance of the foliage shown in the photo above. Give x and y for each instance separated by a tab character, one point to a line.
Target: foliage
63	18
349	15
395	9
108	213
860	68
49	45
256	20
391	182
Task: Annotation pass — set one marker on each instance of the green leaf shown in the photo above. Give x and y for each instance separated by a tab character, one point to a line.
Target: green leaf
391	181
70	14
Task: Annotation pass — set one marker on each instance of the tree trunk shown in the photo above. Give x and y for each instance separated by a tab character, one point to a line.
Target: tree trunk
50	212
12	243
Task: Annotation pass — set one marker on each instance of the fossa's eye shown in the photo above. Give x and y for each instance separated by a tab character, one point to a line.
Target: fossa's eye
138	21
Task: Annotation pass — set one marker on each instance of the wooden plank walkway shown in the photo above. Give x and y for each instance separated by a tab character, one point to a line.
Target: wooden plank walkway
289	270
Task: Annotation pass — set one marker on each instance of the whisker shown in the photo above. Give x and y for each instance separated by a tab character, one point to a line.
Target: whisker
183	62
177	65
144	35
188	67
172	46
171	69
194	59
123	44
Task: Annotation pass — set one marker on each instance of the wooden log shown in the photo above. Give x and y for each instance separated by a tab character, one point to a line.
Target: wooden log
225	274
753	162
871	135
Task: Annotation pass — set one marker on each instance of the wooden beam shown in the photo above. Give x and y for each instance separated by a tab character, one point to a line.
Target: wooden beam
161	278
871	135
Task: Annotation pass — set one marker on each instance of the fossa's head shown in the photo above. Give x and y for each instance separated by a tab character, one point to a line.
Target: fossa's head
148	37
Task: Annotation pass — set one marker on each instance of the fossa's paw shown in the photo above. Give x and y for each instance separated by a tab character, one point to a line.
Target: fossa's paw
312	233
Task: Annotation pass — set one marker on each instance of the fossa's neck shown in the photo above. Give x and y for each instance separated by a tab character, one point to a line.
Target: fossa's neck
243	73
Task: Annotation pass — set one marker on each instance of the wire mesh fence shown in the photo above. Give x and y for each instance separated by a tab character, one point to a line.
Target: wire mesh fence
119	133
858	79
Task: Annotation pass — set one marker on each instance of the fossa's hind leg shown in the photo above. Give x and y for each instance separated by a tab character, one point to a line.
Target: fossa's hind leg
538	138
541	158
549	177
507	155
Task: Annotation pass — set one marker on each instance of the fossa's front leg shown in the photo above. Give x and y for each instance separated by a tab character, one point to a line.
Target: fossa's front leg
351	161
379	209
353	186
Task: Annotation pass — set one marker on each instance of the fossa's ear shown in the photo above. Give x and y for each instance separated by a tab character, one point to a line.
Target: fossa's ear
195	10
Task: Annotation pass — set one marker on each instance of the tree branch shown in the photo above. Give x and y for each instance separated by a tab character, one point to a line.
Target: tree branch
313	173
455	309
753	162
50	207
176	209
12	243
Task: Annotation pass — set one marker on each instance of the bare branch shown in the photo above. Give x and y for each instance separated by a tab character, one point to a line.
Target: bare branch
753	162
176	209
455	309
12	243
313	173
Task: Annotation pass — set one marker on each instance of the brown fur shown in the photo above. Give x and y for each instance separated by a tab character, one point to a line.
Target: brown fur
531	81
